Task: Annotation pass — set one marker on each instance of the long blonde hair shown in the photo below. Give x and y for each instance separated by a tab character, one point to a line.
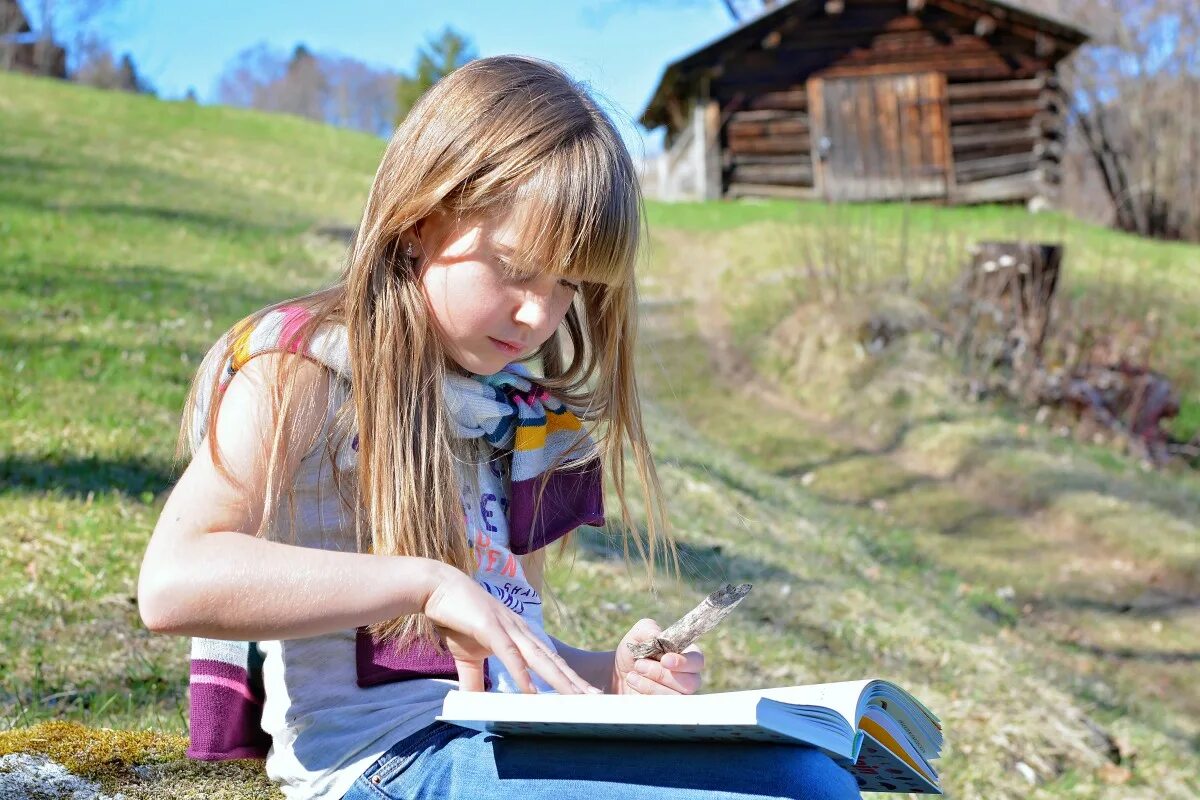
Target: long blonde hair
499	133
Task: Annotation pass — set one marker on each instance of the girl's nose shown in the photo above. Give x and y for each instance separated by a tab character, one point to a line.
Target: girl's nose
531	310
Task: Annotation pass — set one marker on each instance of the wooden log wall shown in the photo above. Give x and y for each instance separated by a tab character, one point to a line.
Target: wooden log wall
767	146
1006	137
1004	108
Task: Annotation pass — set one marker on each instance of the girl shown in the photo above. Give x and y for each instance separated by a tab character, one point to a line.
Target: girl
401	473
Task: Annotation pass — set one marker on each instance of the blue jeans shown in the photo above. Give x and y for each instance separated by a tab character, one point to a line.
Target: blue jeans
446	762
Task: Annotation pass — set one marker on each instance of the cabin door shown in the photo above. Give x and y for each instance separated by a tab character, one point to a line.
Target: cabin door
880	137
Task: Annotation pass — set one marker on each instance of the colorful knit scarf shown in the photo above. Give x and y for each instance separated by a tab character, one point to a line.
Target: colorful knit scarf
507	410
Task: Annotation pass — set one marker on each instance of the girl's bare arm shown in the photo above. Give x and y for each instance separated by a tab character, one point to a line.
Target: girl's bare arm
205	574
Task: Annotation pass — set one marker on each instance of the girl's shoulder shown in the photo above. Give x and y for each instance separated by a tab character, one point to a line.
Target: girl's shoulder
290	330
277	350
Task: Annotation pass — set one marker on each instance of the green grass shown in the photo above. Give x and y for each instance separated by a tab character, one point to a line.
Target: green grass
888	529
1084	562
773	256
132	231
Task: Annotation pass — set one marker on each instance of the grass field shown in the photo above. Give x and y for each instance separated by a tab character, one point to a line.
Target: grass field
1041	595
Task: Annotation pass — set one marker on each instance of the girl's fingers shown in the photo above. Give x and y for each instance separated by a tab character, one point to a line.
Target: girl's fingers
551	667
690	660
470	675
641	684
510	656
658	679
520	652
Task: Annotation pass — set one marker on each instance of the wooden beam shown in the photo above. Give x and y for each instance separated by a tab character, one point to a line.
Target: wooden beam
768	190
767	115
776	175
763	145
996	190
754	159
968	171
750	129
989	137
1043	46
993	111
995	90
712	149
966	10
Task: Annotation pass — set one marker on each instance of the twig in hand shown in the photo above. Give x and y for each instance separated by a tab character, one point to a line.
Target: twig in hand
694	624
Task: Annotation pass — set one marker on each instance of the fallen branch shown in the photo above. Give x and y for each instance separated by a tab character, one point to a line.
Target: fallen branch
694	624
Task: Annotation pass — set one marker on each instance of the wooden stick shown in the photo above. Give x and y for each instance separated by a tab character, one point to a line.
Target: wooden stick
694	624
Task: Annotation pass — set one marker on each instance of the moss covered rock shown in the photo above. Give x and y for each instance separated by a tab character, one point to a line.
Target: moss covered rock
56	760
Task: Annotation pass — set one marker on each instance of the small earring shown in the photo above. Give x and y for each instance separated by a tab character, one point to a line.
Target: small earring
410	250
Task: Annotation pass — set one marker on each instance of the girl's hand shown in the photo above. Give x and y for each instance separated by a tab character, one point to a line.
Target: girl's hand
674	673
475	625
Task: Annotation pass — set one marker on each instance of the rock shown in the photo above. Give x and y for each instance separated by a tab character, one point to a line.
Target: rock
28	777
61	760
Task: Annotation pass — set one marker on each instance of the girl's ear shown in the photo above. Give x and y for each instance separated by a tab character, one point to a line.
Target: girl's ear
428	233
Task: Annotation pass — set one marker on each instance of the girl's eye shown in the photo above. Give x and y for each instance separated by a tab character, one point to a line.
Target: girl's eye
512	273
518	276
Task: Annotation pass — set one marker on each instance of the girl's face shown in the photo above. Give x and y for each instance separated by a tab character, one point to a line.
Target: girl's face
485	316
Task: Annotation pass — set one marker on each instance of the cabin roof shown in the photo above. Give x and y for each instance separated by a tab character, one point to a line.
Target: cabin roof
12	18
682	70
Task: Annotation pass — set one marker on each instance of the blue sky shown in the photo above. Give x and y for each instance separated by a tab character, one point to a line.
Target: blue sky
619	47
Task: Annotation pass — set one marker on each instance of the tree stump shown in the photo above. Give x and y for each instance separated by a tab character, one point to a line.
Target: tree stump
1018	280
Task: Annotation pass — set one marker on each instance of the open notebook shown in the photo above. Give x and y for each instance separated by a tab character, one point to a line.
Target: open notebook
883	735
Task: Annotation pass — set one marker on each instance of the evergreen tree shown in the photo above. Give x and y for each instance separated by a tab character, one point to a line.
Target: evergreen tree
440	56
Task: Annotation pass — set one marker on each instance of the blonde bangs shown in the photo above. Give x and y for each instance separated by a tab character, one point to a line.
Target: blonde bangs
579	214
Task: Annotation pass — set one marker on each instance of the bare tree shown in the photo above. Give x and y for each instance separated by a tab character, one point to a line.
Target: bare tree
1134	94
335	89
244	80
69	23
302	89
97	66
359	96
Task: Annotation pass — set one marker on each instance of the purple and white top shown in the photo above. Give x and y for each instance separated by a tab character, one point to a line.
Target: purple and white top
328	706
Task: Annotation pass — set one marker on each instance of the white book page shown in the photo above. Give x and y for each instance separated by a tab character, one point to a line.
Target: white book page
720	708
842	697
724	708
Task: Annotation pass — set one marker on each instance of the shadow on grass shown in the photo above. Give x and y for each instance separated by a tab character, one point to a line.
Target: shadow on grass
704	567
1150	604
190	217
1134	654
38	184
131	292
79	477
893	444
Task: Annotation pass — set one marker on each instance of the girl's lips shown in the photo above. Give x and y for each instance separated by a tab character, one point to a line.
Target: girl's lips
506	346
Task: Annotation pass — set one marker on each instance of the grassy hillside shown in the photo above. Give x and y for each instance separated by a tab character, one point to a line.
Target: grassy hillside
132	232
901	538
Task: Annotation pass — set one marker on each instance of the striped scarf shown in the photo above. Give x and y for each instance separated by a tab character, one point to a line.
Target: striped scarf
507	410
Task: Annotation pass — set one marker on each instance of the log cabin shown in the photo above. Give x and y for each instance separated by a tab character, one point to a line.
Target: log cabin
21	50
952	101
